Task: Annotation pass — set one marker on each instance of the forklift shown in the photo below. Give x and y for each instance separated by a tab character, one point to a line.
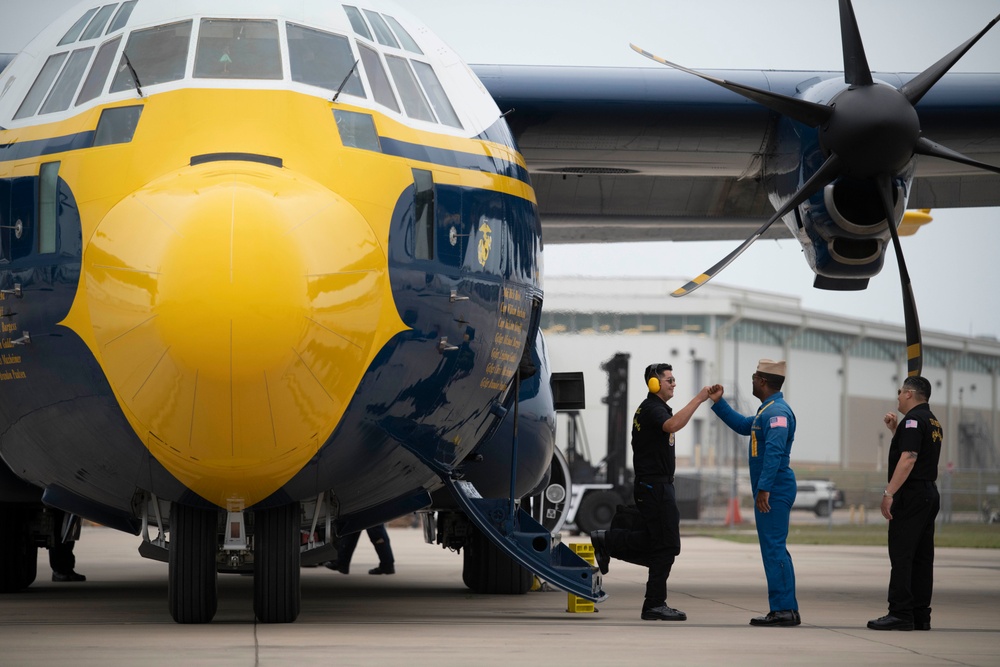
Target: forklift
597	490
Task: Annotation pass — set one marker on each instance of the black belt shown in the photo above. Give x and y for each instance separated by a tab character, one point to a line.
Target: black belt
912	483
655	479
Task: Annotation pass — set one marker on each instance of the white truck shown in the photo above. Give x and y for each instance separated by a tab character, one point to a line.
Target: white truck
819	495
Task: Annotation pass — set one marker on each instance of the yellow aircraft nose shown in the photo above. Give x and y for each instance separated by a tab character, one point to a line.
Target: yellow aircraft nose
234	307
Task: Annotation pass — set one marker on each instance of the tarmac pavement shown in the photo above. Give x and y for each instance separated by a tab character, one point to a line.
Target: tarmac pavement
423	615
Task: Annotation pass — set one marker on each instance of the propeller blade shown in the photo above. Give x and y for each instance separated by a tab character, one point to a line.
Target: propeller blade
826	173
918	86
927	147
856	70
809	113
914	350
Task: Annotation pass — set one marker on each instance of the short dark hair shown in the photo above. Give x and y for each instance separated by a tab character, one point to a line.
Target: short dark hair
919	385
655	370
771	380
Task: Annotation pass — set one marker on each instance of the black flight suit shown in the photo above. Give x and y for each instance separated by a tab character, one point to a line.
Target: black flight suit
658	541
914	507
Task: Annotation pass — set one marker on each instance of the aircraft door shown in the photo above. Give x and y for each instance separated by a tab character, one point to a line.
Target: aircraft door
17	214
450	230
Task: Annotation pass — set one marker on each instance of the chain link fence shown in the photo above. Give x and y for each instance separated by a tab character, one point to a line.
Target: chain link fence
967	495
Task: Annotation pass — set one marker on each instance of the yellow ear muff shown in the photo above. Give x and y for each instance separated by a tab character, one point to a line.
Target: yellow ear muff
654	385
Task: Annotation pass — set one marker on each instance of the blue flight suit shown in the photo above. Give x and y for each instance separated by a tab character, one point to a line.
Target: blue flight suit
771	432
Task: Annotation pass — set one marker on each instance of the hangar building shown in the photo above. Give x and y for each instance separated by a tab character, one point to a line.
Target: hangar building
842	373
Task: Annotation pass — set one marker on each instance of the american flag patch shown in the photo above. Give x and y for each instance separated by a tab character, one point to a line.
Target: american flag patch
778	422
910	423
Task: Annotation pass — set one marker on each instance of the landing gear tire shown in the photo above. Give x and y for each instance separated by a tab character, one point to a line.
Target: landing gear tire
18	553
192	592
487	569
277	595
596	511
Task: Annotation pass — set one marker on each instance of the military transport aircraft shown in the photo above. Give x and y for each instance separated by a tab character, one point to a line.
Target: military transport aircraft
271	271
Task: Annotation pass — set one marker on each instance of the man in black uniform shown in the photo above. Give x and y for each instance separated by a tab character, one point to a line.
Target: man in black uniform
380	540
657	542
61	558
910	502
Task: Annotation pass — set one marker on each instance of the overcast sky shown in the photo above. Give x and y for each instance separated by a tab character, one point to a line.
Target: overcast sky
953	262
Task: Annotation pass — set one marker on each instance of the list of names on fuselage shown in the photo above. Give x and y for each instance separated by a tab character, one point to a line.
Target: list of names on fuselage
10	360
506	350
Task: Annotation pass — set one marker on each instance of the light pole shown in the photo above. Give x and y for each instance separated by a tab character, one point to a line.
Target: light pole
733	513
960	430
880	457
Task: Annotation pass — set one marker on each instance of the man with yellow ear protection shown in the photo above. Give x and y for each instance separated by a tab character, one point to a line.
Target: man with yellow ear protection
657	542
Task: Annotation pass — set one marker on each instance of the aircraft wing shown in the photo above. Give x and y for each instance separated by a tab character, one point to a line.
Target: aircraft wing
630	154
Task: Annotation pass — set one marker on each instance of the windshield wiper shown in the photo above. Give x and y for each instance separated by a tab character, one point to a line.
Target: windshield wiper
344	82
135	77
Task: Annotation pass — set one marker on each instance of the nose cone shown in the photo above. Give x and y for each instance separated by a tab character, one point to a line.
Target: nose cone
874	130
234	308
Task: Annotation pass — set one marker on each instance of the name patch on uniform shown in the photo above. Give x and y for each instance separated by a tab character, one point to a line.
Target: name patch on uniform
778	422
910	423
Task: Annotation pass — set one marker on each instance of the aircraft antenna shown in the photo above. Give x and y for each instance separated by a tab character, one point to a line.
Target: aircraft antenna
135	77
344	82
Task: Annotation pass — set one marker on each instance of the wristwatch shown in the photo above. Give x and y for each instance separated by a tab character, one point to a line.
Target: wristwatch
886	494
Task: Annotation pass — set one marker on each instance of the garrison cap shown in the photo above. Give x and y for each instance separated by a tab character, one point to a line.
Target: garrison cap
771	367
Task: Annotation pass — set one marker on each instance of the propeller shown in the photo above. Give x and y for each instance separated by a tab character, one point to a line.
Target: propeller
869	132
914	352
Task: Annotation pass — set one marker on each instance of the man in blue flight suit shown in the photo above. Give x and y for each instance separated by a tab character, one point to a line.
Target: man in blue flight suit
771	432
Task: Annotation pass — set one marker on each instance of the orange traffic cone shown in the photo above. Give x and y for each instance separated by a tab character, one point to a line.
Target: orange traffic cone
733	512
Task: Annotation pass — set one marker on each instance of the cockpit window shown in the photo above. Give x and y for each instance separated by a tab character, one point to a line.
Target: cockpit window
439	100
237	49
121	18
98	75
48	206
413	98
78	27
322	59
65	88
382	32
403	36
96	27
377	78
117	125
357	130
357	22
230	48
157	54
41	85
6	86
